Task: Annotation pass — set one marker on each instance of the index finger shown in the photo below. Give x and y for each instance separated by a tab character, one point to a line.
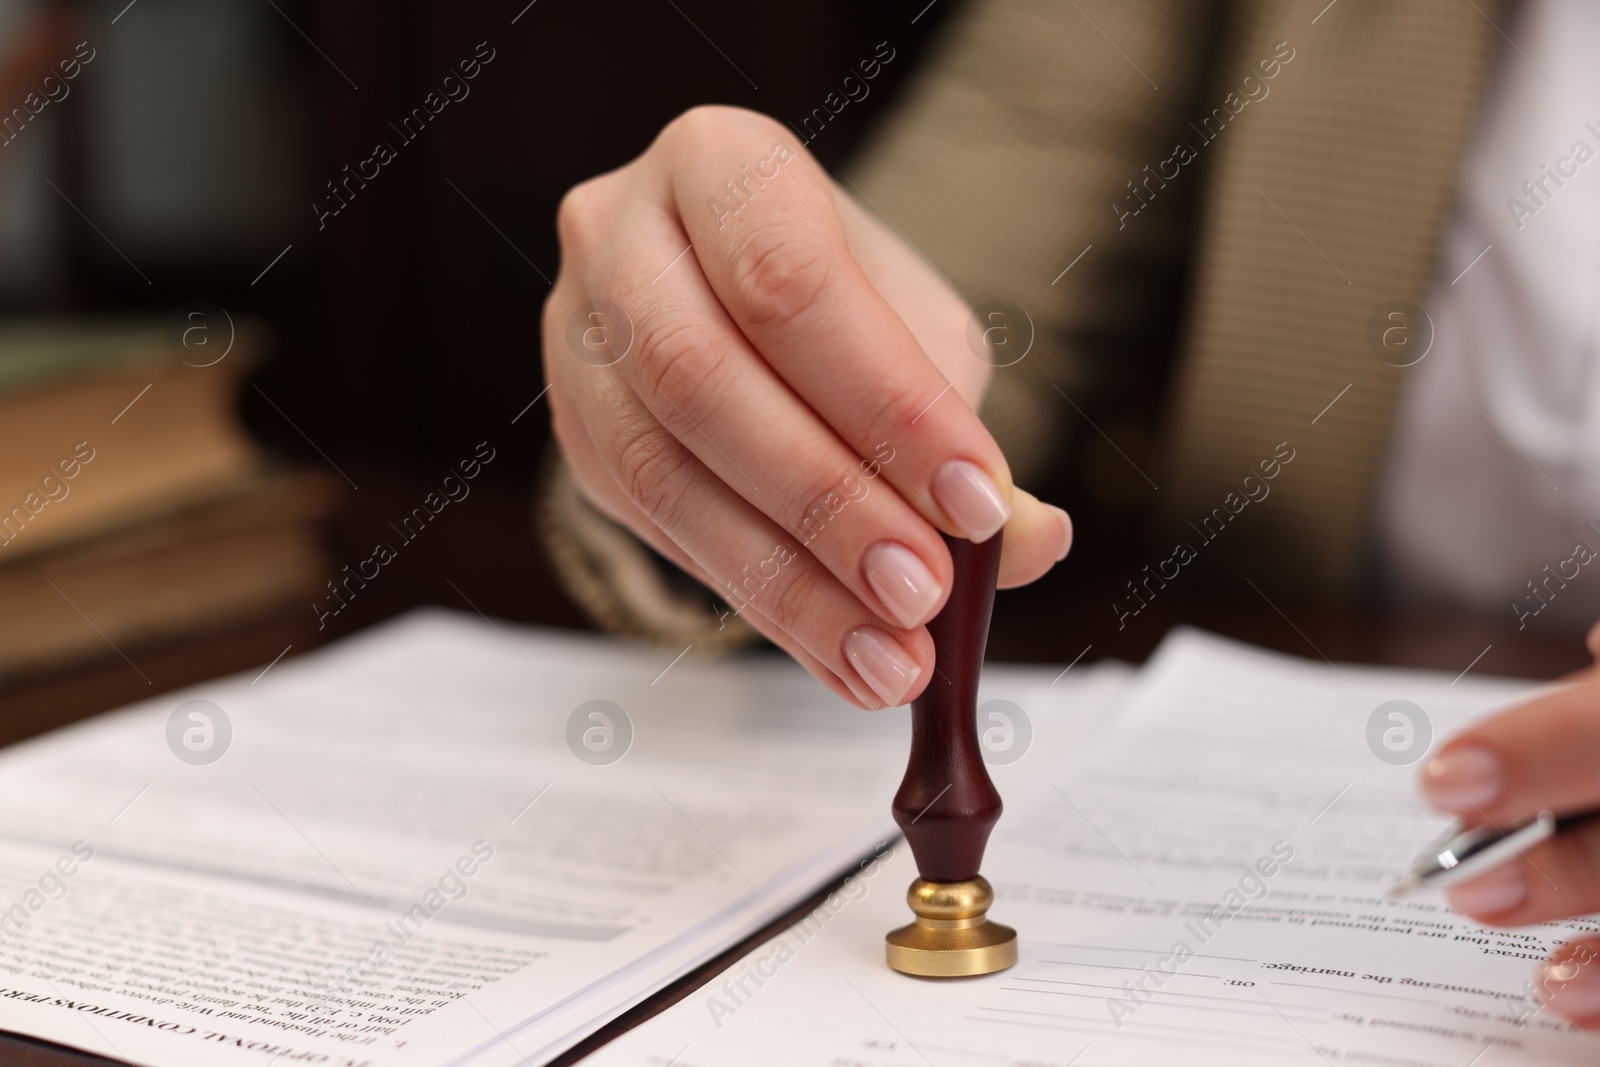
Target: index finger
774	250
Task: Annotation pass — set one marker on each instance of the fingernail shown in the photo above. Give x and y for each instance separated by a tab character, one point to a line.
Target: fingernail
1066	532
1570	988
882	664
970	499
860	692
1463	780
906	587
1493	893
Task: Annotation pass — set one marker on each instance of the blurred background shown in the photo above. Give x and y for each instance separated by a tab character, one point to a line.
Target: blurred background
168	197
276	345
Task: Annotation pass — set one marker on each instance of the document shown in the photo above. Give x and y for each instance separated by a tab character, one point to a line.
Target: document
443	840
1202	885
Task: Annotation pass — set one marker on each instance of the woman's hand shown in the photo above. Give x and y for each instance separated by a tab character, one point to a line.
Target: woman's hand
1541	755
777	393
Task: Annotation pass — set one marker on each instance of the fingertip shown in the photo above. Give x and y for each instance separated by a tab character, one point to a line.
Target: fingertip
1038	537
853	691
1464	779
920	642
1493	894
883	664
917	688
972	500
1569	983
1593	641
908	590
1066	526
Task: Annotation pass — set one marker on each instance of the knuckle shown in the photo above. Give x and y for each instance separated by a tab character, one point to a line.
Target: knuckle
547	324
565	427
782	275
579	214
795	600
891	416
648	467
708	124
699	122
680	362
822	489
669	352
551	322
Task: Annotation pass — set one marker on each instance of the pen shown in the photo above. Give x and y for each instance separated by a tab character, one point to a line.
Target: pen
1460	855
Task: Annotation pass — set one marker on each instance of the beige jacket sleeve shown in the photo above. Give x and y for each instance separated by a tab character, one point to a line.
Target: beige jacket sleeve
1021	163
1003	164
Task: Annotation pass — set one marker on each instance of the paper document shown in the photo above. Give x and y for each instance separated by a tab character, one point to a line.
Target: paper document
1202	886
417	847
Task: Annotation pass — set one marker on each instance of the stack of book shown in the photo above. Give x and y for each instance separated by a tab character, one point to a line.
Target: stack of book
134	509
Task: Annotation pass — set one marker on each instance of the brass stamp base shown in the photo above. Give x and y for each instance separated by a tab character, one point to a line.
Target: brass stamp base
932	953
951	937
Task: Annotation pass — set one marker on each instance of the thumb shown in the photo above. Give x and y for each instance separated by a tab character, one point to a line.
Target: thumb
1037	537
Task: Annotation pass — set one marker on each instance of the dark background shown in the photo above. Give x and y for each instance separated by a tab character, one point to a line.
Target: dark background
407	329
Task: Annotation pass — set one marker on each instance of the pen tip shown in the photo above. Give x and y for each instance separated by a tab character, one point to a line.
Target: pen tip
1401	888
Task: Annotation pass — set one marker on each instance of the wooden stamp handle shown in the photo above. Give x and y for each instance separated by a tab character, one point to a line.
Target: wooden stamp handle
947	805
